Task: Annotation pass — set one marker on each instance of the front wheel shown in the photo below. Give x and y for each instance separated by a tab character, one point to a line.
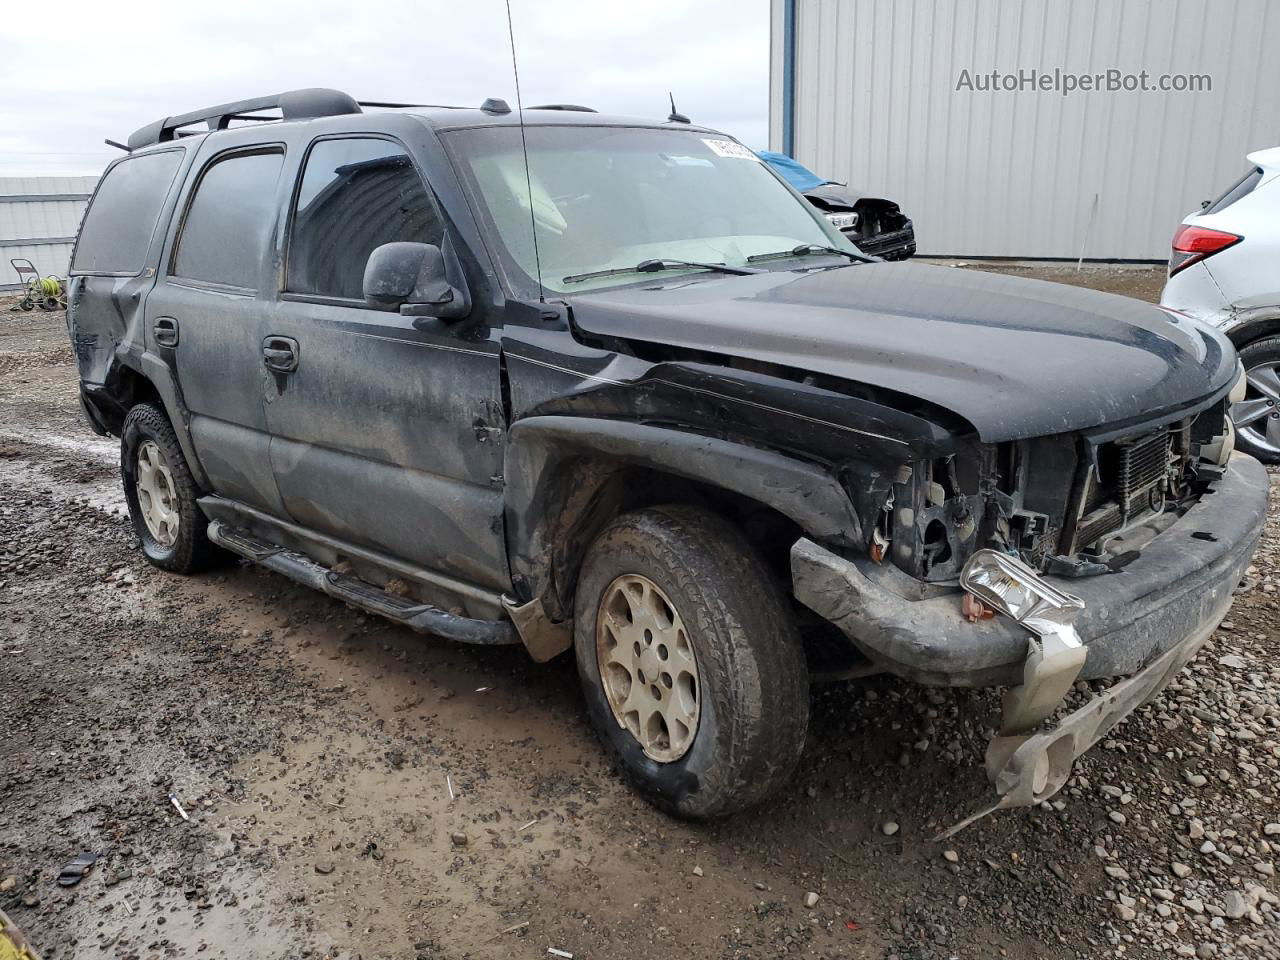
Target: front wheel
1257	417
691	665
162	494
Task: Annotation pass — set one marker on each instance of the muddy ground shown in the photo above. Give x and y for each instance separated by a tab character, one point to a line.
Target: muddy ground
357	790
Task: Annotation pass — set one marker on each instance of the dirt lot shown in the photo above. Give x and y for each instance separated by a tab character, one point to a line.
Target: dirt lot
356	790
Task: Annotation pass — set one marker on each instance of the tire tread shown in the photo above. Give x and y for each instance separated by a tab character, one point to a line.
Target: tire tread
193	551
719	581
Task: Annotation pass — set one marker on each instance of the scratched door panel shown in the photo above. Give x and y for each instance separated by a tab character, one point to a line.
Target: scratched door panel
389	434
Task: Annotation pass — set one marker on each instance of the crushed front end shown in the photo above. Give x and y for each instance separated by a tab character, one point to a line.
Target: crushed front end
1035	563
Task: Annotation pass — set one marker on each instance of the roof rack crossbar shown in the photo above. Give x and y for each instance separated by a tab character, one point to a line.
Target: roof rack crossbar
392	106
293	105
572	107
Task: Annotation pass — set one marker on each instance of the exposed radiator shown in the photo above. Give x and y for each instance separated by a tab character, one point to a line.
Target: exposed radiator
1131	484
1144	463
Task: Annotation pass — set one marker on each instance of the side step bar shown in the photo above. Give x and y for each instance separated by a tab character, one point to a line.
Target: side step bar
422	617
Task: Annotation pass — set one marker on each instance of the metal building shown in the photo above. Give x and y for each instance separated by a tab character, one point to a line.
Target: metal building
39	217
873	93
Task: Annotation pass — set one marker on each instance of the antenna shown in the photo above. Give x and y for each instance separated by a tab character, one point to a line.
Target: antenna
674	116
524	145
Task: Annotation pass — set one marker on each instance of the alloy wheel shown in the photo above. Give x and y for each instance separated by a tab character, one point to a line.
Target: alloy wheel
647	667
157	495
1257	416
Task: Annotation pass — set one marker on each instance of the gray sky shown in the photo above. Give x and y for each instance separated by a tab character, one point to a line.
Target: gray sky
108	68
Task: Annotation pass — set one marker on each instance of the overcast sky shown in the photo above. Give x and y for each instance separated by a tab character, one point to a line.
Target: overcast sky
103	69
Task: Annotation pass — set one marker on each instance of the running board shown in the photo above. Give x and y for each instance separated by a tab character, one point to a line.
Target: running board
422	617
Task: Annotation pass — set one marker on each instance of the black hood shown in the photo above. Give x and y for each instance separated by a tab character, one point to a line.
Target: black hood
1016	358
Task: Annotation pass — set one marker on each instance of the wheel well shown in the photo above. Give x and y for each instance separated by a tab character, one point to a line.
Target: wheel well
607	490
136	389
1253	330
612	490
125	390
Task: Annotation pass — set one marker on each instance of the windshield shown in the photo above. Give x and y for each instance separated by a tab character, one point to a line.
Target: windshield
606	200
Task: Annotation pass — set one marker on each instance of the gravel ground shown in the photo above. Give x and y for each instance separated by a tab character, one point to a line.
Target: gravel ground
355	790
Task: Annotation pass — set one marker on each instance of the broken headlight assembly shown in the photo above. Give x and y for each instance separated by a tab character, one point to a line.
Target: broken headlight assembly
1055	653
1007	585
938	511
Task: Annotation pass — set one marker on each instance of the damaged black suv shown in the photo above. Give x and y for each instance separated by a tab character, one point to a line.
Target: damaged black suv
629	394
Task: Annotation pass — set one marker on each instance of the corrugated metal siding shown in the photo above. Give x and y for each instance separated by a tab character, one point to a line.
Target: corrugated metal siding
42	228
776	30
1032	174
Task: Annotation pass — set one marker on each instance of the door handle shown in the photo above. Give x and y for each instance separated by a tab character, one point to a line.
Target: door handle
166	332
280	354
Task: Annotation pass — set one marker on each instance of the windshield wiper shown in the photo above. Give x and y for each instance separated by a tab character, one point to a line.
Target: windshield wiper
653	266
804	250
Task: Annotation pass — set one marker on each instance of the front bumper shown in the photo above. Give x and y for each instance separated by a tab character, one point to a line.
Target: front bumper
1181	583
1030	769
1145	622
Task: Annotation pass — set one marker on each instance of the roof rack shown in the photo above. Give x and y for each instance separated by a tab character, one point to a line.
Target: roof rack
293	105
576	108
387	105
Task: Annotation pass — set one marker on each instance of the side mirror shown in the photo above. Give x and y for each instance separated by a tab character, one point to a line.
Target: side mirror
417	279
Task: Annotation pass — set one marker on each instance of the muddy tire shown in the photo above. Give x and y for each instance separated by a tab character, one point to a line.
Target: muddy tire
738	737
162	494
1260	436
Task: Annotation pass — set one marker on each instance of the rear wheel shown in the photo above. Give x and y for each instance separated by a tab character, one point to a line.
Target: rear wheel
691	665
162	494
1257	417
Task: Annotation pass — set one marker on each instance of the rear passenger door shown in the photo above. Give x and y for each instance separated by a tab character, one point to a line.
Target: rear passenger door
387	430
205	317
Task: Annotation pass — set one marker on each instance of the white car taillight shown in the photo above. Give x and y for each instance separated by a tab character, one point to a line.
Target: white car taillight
1192	244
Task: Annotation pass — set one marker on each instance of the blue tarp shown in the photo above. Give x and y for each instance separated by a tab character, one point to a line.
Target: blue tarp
792	172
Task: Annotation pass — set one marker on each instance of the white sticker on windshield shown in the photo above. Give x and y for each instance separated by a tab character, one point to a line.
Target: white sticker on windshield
729	148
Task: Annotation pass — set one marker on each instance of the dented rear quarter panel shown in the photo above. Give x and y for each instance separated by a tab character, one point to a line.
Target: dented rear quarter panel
105	310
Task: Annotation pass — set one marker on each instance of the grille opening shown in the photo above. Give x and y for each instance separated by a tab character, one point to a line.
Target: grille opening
1130	483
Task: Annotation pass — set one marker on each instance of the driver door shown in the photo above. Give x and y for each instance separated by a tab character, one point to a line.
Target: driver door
387	431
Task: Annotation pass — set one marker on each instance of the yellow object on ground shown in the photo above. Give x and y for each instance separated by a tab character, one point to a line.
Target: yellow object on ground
13	945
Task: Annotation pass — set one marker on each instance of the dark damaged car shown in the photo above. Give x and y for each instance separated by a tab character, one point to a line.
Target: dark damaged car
690	434
875	225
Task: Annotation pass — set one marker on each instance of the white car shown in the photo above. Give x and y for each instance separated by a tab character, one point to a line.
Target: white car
1225	271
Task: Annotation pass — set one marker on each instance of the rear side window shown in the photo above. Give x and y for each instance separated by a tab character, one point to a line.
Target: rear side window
1240	188
225	233
356	194
122	216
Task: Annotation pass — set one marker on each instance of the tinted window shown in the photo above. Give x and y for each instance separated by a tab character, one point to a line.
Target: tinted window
1240	188
228	224
122	216
355	195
